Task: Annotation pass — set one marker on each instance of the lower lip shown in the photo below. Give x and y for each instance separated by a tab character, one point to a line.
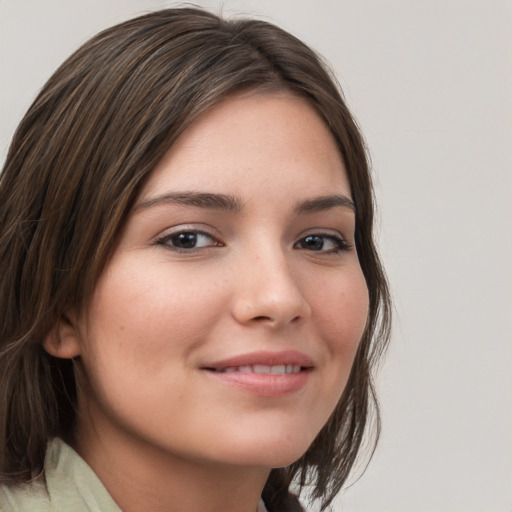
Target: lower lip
266	385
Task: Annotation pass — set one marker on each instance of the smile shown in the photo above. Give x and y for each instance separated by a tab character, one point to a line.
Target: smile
262	369
265	374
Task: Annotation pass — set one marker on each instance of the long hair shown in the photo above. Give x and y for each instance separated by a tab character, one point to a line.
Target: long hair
73	171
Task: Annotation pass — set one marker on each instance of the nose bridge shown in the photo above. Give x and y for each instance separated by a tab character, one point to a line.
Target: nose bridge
268	289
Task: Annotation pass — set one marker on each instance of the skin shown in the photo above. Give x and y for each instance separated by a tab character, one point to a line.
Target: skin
160	431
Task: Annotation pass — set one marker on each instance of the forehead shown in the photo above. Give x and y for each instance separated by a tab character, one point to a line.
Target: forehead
252	139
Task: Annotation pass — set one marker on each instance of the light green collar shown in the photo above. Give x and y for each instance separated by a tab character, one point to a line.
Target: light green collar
67	484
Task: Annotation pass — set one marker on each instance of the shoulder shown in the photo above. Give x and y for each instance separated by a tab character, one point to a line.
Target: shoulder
67	484
27	497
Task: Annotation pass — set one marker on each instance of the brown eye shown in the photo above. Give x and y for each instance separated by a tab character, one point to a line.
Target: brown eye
184	240
322	243
313	243
188	240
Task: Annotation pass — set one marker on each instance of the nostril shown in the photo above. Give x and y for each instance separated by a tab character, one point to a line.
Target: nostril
272	320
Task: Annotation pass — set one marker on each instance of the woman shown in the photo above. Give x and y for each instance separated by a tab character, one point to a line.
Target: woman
191	298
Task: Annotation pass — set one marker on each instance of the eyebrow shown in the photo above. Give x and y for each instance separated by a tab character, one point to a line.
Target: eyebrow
322	203
200	199
234	204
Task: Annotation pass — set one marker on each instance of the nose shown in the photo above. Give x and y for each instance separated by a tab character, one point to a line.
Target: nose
268	292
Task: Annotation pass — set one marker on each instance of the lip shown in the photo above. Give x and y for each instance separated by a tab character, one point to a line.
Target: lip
268	385
266	358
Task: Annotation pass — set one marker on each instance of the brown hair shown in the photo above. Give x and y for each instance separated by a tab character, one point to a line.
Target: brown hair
75	166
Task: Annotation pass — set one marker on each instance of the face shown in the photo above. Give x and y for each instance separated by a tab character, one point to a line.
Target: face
225	325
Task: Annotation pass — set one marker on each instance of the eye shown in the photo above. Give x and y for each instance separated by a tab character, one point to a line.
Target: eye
326	243
188	240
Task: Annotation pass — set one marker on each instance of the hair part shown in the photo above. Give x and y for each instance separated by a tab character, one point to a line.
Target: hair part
74	169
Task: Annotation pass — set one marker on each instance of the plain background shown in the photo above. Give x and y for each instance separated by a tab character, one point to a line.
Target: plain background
430	82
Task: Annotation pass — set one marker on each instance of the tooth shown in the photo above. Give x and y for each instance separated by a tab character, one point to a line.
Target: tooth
261	368
278	370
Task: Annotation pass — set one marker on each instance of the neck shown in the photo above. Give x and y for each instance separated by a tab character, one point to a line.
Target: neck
140	477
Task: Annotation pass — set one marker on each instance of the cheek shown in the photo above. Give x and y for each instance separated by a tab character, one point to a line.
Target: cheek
144	319
339	319
343	308
341	314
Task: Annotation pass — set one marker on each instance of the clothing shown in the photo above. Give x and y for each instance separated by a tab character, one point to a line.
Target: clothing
67	485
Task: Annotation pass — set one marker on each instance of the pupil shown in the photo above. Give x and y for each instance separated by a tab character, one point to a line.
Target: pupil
185	240
314	242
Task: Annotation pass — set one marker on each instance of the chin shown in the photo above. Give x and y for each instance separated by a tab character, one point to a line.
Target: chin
273	452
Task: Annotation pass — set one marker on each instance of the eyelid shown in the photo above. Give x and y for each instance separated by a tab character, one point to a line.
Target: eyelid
327	232
334	235
186	228
199	229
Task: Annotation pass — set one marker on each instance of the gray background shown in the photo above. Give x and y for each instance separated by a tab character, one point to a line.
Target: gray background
430	82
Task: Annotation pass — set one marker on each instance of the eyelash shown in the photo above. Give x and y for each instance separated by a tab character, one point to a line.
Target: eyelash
340	244
166	239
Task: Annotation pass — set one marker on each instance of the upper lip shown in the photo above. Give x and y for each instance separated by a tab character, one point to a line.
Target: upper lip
267	358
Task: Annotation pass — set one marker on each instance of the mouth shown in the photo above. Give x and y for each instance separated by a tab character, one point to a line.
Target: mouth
261	369
268	374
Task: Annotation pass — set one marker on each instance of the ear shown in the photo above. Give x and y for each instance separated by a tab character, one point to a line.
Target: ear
63	340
